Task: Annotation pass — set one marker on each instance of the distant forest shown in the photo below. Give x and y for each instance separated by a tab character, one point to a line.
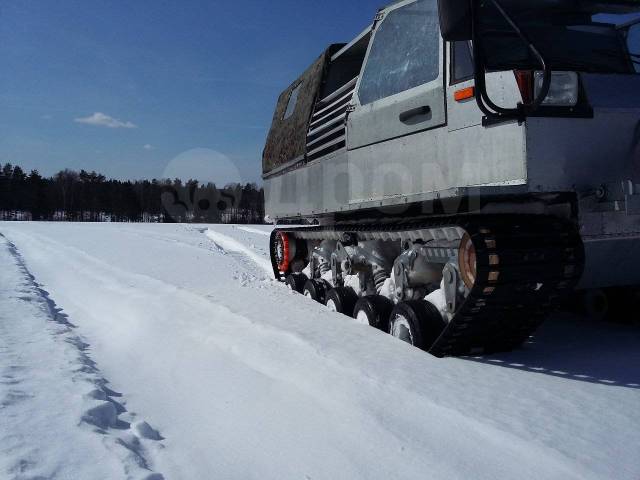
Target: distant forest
90	197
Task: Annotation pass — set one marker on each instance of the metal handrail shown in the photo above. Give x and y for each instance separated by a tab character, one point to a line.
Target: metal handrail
486	105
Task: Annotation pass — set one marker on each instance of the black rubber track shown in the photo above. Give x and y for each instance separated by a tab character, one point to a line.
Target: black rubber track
526	265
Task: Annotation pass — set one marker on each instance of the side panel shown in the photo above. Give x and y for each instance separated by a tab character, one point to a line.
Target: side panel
438	160
581	154
501	88
317	188
432	164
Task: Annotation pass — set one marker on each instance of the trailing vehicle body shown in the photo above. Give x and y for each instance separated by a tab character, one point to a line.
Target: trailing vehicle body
479	156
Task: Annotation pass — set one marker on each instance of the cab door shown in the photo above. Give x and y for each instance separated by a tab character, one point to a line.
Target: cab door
401	88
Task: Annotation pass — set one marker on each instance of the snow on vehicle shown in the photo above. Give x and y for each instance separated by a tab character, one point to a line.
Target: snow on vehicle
462	166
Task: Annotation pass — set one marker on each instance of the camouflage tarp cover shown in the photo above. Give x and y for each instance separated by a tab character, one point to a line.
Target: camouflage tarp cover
288	137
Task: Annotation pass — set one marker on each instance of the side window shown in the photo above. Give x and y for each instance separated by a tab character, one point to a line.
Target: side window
293	101
405	52
461	62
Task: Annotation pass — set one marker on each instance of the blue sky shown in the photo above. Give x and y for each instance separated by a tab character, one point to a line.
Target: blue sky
126	87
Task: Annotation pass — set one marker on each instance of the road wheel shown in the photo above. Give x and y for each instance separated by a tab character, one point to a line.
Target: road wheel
296	281
374	310
342	300
417	322
316	289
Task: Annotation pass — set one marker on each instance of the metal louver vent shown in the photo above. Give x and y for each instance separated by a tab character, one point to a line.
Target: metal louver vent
327	132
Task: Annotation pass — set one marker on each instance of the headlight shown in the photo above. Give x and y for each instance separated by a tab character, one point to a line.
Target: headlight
563	91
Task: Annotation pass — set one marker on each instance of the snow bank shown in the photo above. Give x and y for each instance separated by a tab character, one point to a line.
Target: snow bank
229	245
266	231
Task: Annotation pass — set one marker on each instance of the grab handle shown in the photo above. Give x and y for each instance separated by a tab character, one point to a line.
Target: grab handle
415	112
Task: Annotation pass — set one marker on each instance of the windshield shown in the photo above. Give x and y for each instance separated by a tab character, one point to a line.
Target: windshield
574	35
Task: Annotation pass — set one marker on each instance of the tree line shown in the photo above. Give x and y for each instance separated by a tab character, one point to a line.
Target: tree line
91	197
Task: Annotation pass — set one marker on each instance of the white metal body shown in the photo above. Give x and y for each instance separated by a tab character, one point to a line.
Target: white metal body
449	155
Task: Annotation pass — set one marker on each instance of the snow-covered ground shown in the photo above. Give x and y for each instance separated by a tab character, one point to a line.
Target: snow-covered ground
150	351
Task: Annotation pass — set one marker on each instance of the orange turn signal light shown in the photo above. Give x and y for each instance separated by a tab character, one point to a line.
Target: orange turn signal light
464	94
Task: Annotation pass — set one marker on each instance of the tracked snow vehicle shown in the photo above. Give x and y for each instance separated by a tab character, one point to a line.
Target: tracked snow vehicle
460	166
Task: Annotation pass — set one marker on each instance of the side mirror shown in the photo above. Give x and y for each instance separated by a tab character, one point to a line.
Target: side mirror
455	20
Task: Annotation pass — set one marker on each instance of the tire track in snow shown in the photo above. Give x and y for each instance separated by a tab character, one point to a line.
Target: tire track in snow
254	230
25	308
241	253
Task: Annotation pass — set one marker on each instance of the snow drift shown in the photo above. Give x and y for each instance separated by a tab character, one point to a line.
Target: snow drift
237	377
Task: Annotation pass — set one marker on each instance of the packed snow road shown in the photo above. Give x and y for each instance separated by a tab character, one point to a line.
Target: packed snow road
223	373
